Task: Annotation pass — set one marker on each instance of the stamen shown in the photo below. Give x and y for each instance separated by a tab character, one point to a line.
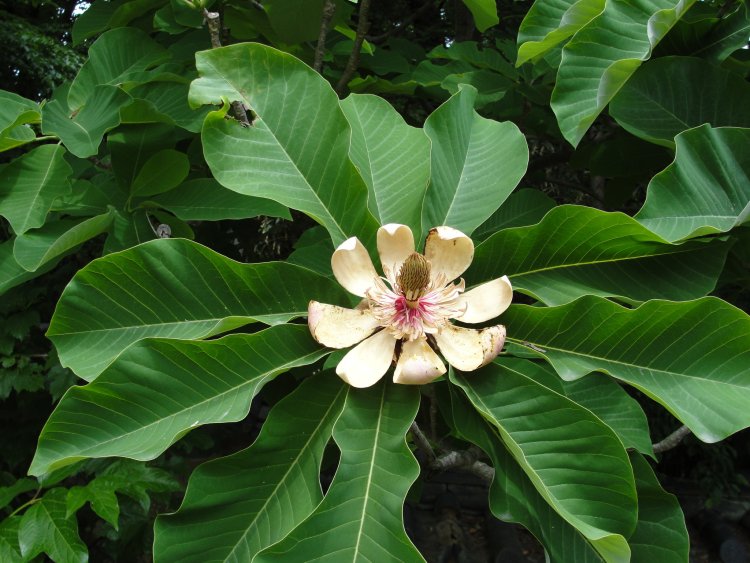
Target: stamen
414	278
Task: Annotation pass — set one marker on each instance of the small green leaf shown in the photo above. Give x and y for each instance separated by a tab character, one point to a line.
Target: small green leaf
484	12
705	190
177	289
45	528
7	494
523	207
476	163
81	131
16	113
237	506
10	551
162	172
29	186
692	357
11	272
40	246
361	516
159	389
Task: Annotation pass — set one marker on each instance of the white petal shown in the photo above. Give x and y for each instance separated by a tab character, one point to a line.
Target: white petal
486	301
418	364
368	361
468	349
449	251
395	244
338	327
352	267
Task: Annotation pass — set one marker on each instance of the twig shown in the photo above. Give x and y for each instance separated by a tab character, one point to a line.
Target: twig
328	10
672	440
363	25
467	461
213	21
402	24
422	442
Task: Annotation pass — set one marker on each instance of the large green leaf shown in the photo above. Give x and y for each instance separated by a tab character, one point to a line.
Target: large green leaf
15	113
660	534
392	157
603	55
46	528
550	22
81	130
671	94
9	548
484	12
40	246
513	497
237	506
11	272
170	99
692	357
361	516
705	190
100	16
162	172
553	439
476	163
294	156
204	199
159	389
177	289
523	207
577	251
119	57
30	185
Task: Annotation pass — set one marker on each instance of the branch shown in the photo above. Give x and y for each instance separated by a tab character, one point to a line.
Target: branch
672	440
362	26
402	24
213	20
466	460
328	10
421	440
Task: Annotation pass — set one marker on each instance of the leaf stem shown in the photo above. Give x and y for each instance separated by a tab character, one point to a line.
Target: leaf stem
672	440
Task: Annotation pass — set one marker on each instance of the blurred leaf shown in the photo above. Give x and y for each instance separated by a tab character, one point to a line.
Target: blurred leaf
100	16
173	288
125	412
45	528
23	485
669	95
705	190
10	551
691	357
476	163
237	506
603	55
170	99
484	12
30	185
298	158
576	250
361	516
523	207
546	434
393	158
11	272
16	112
162	172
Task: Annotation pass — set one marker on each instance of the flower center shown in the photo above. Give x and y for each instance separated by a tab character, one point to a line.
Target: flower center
413	278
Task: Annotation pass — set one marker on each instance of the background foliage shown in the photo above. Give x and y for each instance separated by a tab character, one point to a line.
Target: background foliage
595	151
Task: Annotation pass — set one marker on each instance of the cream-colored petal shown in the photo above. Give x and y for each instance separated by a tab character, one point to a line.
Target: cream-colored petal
468	349
352	267
368	361
486	301
449	251
395	244
339	327
418	364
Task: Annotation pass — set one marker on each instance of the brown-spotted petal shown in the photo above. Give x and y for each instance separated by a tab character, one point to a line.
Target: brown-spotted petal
368	361
418	363
339	327
467	349
395	244
486	301
352	267
449	251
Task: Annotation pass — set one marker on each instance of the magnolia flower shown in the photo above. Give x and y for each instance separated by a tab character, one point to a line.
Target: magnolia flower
407	312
